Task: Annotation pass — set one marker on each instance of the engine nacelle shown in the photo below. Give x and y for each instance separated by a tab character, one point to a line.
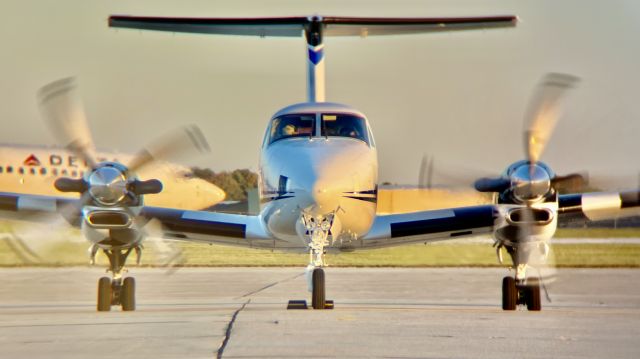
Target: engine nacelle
519	223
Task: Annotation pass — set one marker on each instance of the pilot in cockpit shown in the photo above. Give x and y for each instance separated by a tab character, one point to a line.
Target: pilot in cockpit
349	131
288	130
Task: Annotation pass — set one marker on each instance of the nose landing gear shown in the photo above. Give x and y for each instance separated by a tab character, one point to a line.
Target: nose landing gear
318	231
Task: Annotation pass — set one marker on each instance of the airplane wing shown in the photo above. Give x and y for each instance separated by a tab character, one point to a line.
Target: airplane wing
211	227
215	227
598	206
387	230
436	225
426	226
249	230
29	207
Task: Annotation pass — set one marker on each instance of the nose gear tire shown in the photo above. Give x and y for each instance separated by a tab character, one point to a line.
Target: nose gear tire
318	295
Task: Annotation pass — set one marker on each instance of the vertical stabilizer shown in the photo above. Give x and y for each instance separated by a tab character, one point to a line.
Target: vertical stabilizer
315	61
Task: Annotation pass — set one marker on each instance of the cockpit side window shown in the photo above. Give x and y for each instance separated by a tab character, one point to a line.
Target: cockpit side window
295	125
341	125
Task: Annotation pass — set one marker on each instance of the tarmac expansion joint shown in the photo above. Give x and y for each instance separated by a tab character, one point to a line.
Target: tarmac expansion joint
227	334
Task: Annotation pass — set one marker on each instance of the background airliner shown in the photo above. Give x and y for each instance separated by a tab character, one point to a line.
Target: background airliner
33	169
319	176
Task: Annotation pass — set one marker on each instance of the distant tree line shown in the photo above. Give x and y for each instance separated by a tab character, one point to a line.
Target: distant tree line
235	183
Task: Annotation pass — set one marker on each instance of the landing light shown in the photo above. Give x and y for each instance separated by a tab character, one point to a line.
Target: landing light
324	223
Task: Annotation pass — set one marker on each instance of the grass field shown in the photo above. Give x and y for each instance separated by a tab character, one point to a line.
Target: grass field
420	255
67	248
597	233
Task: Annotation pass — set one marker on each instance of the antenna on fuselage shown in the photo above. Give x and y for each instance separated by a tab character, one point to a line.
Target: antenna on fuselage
314	29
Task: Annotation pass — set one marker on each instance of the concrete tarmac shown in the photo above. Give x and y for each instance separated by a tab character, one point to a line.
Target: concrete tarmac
380	312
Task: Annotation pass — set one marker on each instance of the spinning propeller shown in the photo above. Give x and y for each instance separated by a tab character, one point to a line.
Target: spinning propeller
111	195
529	180
106	183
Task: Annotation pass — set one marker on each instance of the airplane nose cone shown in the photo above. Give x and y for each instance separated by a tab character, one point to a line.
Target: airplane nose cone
325	197
215	193
318	172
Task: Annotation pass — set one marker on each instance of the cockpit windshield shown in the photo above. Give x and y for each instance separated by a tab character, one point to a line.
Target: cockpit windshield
342	125
287	126
331	125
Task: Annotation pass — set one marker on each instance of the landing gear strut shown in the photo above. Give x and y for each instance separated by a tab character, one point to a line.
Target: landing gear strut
318	231
119	290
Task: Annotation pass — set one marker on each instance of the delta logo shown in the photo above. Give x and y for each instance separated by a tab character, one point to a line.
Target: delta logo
32	161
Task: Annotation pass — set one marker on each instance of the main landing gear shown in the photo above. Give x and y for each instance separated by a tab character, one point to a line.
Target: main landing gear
521	291
514	294
117	291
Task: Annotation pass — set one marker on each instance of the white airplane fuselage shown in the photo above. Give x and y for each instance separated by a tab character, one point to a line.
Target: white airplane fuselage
318	175
33	170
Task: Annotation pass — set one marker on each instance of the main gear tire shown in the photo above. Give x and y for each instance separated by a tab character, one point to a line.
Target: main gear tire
104	294
128	294
509	293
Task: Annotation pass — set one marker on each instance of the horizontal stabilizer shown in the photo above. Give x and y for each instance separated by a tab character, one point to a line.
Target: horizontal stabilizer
293	26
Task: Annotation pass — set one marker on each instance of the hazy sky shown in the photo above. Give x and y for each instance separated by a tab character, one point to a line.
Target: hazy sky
457	96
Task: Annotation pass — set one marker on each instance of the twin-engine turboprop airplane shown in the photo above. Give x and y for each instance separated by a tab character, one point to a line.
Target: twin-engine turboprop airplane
318	169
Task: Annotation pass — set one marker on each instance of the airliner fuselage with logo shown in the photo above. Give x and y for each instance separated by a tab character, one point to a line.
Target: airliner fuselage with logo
33	170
